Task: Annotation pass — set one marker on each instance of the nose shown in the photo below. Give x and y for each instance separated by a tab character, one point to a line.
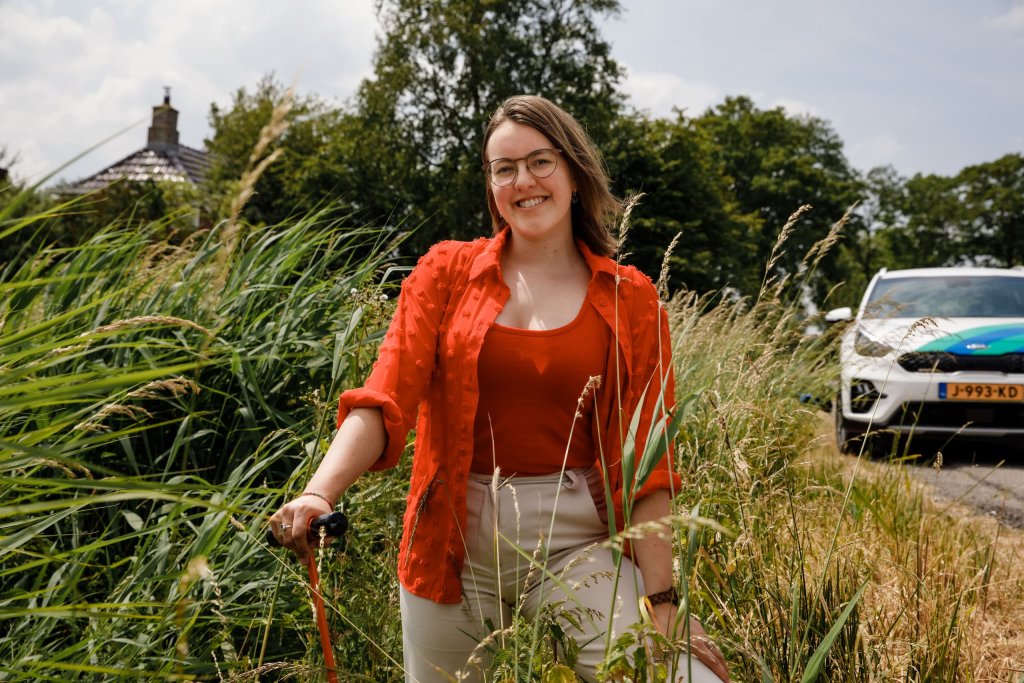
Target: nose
524	178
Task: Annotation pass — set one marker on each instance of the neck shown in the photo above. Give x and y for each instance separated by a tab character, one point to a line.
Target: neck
554	252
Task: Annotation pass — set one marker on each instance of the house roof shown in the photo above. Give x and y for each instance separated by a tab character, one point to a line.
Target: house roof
175	164
163	159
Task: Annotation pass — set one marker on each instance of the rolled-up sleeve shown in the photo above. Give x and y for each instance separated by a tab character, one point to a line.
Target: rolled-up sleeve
401	374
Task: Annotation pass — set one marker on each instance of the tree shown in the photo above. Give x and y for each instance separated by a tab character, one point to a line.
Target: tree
675	165
865	247
992	197
17	200
776	163
928	232
440	70
302	179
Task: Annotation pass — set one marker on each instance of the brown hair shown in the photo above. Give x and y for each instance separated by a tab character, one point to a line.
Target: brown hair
596	209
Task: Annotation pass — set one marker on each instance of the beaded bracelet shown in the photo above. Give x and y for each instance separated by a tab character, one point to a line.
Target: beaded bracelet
318	495
671	595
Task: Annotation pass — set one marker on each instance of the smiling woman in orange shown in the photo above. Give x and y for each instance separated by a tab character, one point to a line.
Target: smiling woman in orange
520	359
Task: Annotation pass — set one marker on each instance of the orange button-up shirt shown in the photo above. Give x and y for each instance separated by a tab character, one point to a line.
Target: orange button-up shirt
426	375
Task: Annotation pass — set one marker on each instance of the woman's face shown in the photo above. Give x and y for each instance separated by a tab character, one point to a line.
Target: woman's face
535	208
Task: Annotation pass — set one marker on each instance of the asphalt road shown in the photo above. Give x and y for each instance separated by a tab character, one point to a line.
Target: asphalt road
986	477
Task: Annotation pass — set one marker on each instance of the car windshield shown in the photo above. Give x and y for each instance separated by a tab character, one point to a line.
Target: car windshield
954	296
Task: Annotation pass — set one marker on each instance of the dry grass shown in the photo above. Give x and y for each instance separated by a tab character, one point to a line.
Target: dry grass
957	571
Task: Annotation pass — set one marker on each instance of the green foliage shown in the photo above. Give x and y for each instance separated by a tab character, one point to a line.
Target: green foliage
440	71
775	163
148	394
975	217
673	163
304	178
992	196
864	248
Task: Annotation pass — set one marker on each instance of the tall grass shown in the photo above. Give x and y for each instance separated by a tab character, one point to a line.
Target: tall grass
149	422
147	425
835	569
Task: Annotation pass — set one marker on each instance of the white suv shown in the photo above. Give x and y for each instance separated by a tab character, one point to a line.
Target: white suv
934	352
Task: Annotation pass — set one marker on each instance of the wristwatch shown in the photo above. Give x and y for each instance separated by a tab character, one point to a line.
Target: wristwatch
671	595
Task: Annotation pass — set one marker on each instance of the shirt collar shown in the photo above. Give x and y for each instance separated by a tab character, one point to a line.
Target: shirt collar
490	257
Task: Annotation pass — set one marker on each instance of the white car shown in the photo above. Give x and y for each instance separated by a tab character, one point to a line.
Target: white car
933	352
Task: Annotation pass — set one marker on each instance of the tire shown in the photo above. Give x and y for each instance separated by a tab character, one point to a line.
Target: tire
851	438
844	438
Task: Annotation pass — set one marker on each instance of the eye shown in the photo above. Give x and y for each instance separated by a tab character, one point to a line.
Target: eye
541	161
502	167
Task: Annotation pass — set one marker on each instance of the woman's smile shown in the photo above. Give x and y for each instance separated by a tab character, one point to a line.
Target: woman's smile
536	208
531	202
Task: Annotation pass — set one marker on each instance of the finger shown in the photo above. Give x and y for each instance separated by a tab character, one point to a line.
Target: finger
710	657
274	529
300	536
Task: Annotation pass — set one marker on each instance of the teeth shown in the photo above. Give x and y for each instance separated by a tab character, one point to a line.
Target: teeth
527	203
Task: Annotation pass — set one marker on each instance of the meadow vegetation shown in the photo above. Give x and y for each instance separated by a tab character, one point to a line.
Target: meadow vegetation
160	397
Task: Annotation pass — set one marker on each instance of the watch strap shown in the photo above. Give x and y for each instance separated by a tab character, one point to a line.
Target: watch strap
671	595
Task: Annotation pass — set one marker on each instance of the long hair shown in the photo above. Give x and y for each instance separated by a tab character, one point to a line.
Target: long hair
596	209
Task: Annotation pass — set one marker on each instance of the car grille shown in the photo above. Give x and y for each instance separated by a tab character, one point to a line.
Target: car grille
999	415
1011	363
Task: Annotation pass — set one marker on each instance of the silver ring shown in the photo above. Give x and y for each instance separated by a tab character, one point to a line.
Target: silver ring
285	526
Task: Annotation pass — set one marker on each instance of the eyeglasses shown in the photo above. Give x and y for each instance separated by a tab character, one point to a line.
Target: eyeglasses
540	163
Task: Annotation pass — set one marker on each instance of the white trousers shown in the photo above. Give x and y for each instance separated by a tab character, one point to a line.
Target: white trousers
533	545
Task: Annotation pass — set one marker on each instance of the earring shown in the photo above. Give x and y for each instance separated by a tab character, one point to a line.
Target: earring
575	197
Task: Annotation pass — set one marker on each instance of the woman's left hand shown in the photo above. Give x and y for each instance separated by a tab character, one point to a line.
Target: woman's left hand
699	644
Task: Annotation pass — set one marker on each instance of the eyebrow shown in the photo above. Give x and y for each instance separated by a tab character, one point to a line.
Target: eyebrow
526	156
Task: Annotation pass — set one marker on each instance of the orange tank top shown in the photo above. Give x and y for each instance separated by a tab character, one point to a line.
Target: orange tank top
530	384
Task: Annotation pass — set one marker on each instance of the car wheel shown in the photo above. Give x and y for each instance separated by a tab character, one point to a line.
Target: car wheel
842	429
851	438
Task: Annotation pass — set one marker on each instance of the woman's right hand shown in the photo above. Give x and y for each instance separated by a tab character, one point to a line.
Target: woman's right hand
358	444
290	524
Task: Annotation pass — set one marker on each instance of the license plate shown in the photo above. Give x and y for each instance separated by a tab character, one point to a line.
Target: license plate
980	391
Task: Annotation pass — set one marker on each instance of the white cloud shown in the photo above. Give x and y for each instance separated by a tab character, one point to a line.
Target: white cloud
795	107
659	92
1012	19
73	73
878	149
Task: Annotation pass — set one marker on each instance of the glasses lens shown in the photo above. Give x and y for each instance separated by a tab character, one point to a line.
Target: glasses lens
542	162
503	171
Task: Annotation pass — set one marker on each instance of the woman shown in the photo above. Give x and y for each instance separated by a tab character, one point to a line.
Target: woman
525	356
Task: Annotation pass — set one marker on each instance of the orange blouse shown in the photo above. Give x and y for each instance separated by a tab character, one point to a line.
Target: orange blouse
426	373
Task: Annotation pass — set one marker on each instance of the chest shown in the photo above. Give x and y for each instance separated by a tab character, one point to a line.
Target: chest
543	301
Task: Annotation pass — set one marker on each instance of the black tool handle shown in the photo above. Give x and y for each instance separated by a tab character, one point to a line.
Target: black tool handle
334	523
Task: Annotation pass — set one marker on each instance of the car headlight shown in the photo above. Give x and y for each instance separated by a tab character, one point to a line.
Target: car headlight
866	346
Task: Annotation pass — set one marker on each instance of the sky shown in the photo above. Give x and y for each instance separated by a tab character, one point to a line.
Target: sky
926	86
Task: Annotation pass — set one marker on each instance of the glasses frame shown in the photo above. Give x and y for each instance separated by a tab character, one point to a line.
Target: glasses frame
515	176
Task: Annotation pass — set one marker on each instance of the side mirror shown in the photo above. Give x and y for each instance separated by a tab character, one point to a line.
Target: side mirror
839	315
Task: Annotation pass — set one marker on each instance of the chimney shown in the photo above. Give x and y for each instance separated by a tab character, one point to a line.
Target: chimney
164	131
